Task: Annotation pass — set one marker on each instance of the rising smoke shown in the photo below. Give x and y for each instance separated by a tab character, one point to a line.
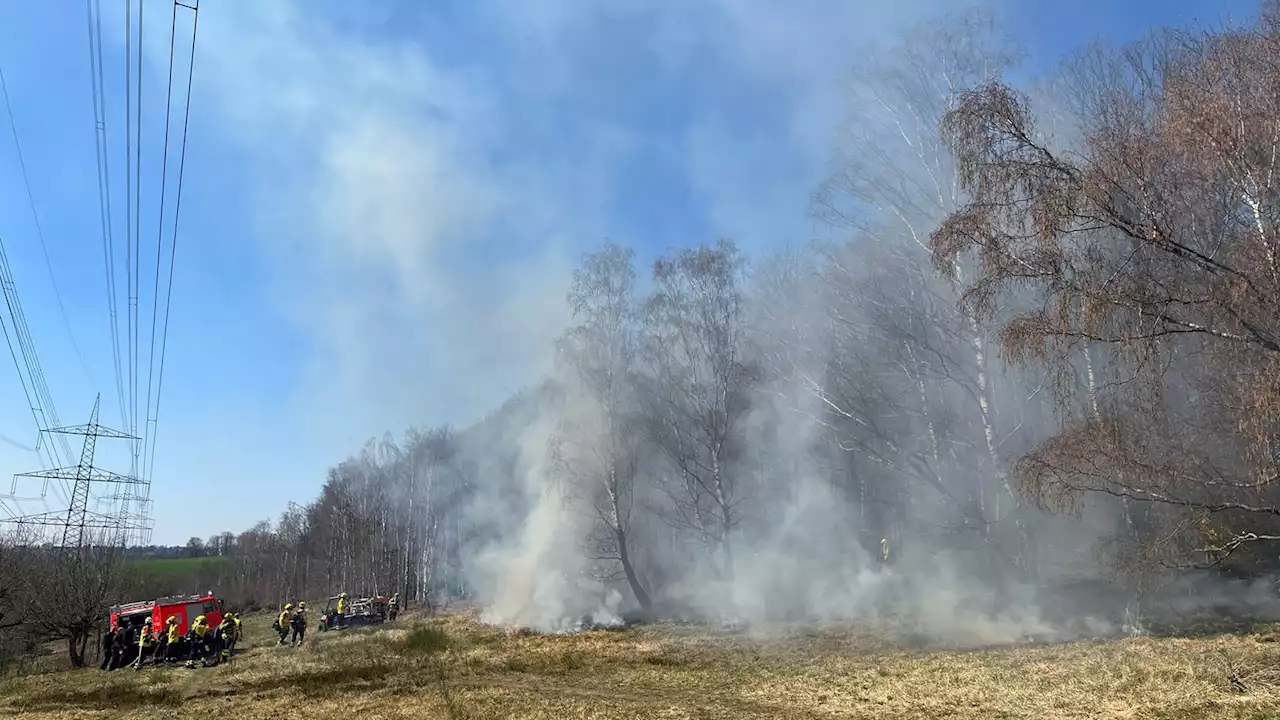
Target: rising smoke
874	408
969	562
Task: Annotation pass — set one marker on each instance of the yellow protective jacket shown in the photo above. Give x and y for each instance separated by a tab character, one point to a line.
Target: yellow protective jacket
237	624
283	620
145	638
228	628
342	606
173	633
200	626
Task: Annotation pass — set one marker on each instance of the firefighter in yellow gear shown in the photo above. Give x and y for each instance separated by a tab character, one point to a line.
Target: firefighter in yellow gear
282	622
199	640
225	637
235	639
341	614
146	645
172	636
230	621
299	624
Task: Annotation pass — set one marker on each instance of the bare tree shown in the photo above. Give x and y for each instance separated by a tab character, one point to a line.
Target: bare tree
599	444
895	183
1156	242
695	334
59	595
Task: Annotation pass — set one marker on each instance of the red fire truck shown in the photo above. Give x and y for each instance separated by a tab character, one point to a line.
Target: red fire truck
184	607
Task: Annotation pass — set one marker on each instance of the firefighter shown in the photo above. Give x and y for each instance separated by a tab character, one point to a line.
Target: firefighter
108	647
299	624
282	622
126	645
161	638
146	645
199	637
160	644
341	615
225	638
213	645
393	606
172	636
235	630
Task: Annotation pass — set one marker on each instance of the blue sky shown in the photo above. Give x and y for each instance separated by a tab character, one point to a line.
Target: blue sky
383	200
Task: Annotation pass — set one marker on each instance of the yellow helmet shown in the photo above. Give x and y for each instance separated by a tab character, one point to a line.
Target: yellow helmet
342	594
288	606
173	620
302	605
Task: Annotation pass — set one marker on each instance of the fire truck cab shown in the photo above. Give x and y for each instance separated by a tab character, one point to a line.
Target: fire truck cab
184	607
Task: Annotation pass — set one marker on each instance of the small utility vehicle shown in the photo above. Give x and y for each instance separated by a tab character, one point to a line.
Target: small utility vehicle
359	612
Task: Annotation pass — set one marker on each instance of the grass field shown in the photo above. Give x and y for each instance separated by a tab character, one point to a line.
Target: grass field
174	566
453	667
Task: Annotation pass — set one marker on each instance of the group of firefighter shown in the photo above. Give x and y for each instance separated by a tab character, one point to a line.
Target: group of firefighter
293	618
291	623
134	642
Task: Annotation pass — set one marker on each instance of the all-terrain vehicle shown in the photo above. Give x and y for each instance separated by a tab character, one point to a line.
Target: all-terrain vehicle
359	612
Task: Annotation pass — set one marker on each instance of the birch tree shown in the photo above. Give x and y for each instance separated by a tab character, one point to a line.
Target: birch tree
895	183
600	444
695	332
1155	241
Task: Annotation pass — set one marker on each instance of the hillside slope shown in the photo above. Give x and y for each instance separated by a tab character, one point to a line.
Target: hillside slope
454	667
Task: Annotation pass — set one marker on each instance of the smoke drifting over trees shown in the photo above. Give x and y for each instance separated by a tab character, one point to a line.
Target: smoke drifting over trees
1033	358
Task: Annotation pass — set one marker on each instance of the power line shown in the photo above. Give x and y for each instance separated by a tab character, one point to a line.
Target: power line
173	246
94	13
128	196
133	221
44	405
147	434
137	245
22	164
10	441
30	386
23	380
127	510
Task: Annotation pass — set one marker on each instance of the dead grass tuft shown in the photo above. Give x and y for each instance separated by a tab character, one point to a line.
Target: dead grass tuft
425	640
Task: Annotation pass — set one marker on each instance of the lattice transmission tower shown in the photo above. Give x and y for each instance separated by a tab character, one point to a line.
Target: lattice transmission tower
113	527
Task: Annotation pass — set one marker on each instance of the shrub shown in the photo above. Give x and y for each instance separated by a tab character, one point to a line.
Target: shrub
426	640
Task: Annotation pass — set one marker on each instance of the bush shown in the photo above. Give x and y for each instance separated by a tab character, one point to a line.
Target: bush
426	640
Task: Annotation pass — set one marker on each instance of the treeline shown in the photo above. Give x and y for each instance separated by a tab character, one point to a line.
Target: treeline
1052	322
1065	305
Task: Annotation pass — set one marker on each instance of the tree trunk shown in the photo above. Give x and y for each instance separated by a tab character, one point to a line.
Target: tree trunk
75	648
629	570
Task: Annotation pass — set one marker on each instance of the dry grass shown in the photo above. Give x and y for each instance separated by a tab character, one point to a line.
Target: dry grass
453	667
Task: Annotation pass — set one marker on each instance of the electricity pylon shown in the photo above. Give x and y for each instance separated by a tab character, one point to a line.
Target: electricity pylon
78	518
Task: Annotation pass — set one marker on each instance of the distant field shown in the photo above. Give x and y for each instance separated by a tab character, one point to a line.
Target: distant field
453	667
175	566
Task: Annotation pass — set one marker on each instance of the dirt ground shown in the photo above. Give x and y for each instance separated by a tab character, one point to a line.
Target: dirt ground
453	667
